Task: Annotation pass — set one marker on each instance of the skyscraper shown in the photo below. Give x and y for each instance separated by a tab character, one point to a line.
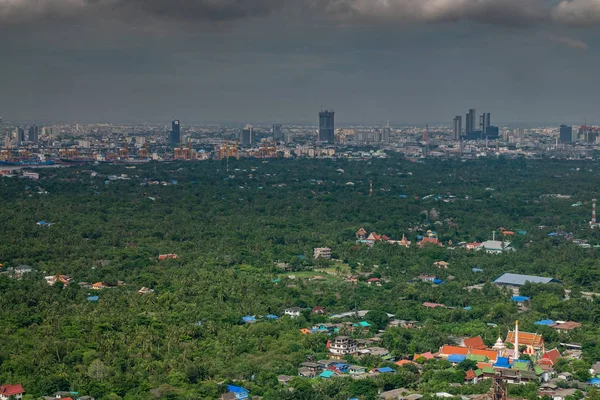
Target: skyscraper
472	124
468	127
247	135
175	133
34	133
457	127
327	126
566	134
20	135
386	133
277	132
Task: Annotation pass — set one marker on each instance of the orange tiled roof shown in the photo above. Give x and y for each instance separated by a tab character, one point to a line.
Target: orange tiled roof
403	362
526	339
481	365
305	331
427	356
469	375
448	350
490	354
475	343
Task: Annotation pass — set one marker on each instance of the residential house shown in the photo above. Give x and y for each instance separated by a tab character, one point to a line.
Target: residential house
293	312
99	286
144	291
322	252
361	234
384	370
284	379
21	270
472	246
396	394
318	310
357	370
427	356
374	351
375	281
169	256
426	278
239	392
312	367
433	305
564	327
441	264
11	392
341	346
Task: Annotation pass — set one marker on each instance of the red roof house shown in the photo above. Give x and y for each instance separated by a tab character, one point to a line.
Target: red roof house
11	390
475	343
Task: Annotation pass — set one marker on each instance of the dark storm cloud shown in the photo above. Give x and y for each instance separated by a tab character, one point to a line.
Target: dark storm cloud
497	12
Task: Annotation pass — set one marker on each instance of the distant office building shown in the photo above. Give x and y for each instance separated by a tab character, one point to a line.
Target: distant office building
277	132
492	132
247	135
386	132
34	133
566	134
20	135
457	127
175	133
327	126
484	122
471	121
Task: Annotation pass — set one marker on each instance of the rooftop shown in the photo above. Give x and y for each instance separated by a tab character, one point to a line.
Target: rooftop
519	280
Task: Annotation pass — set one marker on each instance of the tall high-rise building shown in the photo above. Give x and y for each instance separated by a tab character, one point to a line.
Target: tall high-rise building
247	135
484	122
175	133
277	132
566	134
468	127
34	133
327	126
457	127
20	135
386	132
472	120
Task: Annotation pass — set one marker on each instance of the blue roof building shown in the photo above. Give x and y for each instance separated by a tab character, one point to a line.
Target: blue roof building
456	358
240	392
248	319
502	362
327	374
544	322
594	381
438	281
271	316
520	299
385	370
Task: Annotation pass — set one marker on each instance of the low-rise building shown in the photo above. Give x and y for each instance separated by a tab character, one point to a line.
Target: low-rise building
322	252
342	346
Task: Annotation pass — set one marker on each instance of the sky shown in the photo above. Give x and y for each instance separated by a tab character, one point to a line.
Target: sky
282	61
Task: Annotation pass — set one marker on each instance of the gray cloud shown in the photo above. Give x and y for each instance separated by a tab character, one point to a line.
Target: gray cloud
570	42
577	12
501	12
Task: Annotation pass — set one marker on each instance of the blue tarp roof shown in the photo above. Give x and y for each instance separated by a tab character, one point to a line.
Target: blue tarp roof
248	318
327	374
456	358
438	281
271	316
236	389
594	381
468	308
477	270
520	299
385	369
93	298
502	362
544	322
